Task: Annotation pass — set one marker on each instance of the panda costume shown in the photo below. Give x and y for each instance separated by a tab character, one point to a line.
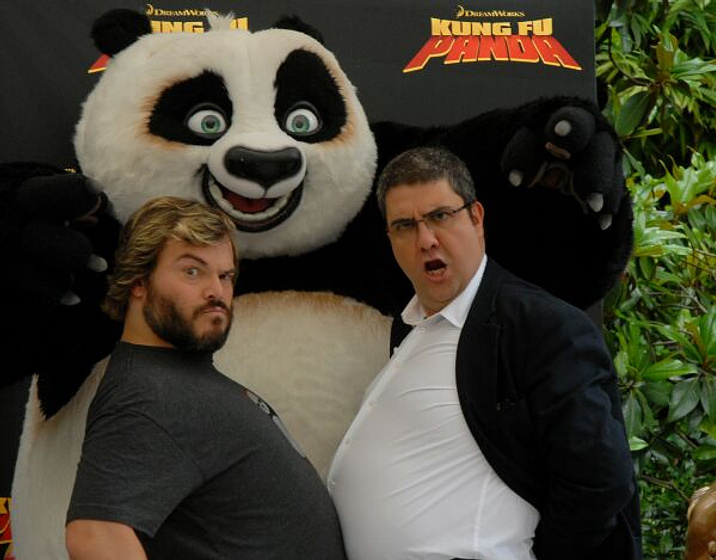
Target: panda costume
267	127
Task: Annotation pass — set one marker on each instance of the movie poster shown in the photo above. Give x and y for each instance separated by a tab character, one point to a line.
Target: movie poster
420	62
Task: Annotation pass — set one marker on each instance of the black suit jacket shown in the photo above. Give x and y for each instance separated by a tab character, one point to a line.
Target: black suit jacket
539	392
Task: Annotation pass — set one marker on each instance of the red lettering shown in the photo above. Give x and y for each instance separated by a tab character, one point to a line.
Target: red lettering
553	53
522	49
463	50
435	46
493	48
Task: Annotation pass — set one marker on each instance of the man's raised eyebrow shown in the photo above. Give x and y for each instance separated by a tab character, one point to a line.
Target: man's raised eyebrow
193	257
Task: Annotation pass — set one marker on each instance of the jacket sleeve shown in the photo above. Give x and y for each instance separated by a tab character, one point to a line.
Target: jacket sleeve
573	400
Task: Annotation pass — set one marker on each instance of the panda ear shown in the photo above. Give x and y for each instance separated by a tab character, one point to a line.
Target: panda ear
117	29
295	23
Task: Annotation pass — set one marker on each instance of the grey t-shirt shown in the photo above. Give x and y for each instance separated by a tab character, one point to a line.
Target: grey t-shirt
197	465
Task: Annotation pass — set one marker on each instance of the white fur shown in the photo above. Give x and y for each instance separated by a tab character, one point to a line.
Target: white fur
45	472
310	356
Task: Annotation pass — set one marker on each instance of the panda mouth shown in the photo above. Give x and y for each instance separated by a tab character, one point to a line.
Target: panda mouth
250	214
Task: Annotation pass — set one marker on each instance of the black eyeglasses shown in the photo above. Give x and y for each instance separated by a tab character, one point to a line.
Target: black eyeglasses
438	219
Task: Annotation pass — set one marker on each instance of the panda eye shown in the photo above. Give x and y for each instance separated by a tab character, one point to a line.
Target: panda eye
207	122
303	121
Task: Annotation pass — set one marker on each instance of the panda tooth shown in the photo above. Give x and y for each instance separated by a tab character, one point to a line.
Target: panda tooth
224	205
216	192
281	202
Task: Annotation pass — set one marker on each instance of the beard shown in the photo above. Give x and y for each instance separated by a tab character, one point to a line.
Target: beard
165	319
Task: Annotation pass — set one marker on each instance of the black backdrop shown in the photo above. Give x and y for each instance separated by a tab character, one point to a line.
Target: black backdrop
47	58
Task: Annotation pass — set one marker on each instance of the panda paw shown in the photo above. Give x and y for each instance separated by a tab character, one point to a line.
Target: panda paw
575	153
56	259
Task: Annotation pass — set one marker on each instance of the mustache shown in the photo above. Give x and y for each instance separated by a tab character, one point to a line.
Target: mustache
214	305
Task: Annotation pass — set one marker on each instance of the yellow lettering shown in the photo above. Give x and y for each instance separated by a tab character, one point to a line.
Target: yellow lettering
240	23
543	26
440	27
193	27
524	27
481	28
171	27
501	28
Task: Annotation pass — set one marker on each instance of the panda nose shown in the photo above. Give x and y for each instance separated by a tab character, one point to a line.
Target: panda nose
264	168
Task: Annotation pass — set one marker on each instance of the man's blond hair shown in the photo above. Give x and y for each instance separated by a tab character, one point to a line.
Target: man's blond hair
146	233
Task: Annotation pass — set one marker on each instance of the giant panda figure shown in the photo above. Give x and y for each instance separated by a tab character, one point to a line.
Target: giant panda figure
267	127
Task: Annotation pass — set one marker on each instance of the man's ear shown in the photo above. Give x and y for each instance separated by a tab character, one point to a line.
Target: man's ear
477	213
139	288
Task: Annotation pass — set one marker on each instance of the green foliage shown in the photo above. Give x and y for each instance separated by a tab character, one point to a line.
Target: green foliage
655	61
661	326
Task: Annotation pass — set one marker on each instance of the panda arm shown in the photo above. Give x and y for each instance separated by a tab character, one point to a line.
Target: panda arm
46	253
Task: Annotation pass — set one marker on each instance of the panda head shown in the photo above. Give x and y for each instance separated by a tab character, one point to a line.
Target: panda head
265	126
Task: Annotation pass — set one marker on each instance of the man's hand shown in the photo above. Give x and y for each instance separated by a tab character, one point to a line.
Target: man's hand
88	539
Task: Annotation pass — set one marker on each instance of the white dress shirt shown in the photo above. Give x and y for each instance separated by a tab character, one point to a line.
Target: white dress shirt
408	479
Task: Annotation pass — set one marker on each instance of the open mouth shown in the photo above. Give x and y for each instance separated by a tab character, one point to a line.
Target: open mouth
434	267
250	214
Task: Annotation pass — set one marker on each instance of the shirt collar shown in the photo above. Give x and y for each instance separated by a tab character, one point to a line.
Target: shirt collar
455	312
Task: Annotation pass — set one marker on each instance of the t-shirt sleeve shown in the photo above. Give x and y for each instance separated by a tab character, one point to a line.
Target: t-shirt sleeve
132	472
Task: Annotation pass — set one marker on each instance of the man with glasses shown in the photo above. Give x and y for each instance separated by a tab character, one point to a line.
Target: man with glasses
495	432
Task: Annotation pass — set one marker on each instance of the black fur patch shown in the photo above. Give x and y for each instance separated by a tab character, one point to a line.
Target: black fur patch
303	81
297	24
117	29
178	102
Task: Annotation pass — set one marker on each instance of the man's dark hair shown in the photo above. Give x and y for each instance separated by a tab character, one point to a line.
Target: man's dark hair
423	165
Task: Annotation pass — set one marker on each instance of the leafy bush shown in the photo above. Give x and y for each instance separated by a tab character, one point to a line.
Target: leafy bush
655	63
656	68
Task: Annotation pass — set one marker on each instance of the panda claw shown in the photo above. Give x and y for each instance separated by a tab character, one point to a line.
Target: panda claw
515	178
563	128
69	299
97	264
596	201
605	221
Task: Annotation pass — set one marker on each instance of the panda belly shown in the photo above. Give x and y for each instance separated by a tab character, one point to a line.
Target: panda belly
311	356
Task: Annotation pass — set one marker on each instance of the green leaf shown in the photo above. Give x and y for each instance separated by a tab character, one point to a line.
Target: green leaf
658	392
633	112
632	416
708	426
684	399
707	332
666	369
637	444
704	453
693	67
665	54
708	396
